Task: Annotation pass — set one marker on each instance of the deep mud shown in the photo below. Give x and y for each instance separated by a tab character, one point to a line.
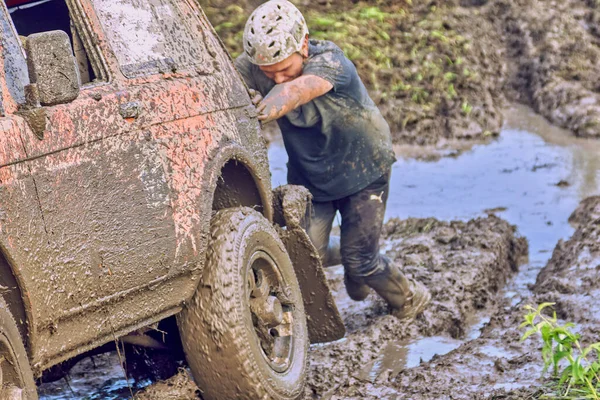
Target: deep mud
497	365
464	265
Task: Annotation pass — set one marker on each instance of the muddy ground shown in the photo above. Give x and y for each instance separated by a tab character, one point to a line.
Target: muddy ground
497	365
466	266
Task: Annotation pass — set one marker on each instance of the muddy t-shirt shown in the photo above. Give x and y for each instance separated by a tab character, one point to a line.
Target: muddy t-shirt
338	143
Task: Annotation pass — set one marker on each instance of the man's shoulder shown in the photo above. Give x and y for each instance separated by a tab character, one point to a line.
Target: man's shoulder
328	61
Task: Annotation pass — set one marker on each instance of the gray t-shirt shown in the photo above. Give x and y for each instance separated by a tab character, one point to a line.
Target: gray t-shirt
338	143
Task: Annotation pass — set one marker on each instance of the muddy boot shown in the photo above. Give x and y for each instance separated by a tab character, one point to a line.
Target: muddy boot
406	297
356	289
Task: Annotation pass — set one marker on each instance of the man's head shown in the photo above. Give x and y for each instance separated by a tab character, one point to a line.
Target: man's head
276	39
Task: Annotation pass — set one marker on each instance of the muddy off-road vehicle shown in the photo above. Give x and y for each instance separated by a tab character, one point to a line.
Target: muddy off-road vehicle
134	190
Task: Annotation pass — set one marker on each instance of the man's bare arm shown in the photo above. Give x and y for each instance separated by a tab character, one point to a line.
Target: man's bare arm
288	96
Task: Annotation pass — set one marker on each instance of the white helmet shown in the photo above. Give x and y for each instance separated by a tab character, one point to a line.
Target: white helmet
274	31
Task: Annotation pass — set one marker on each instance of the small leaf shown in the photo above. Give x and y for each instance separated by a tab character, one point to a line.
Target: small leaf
546	332
544	305
528	333
559	355
566	375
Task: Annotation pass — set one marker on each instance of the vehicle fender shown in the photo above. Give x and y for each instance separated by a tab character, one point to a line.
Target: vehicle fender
291	206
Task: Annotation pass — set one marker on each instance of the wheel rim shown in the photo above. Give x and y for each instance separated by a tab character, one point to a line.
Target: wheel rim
10	382
272	311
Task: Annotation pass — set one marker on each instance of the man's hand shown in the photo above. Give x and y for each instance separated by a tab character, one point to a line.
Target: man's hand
288	96
255	97
276	104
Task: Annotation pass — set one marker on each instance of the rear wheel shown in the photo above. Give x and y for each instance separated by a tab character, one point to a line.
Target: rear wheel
16	378
244	332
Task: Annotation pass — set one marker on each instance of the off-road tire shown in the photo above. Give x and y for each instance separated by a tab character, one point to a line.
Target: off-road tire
15	371
217	331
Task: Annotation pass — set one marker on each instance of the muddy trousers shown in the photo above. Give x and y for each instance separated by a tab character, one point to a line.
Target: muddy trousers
362	213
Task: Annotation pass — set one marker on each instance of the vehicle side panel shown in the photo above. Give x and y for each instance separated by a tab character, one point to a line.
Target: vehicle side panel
21	227
125	217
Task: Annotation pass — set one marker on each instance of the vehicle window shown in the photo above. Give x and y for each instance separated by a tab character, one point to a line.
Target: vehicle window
151	36
15	66
47	15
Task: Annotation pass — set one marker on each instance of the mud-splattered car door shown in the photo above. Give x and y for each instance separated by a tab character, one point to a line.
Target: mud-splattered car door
108	227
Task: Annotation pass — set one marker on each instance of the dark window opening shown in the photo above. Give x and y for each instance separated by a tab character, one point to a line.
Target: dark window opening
49	15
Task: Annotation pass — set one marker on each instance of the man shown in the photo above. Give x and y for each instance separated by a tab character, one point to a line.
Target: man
338	144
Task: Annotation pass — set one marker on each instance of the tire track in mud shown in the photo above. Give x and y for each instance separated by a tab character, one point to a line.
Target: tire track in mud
497	365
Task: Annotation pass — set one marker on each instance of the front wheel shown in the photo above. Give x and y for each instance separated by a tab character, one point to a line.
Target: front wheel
244	332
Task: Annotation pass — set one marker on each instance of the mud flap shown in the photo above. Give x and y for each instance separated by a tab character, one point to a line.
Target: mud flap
292	206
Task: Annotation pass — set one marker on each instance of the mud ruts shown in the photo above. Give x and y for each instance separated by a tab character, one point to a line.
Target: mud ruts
464	265
497	365
553	54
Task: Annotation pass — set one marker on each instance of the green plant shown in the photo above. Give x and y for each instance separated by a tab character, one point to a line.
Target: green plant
466	108
373	13
451	91
561	347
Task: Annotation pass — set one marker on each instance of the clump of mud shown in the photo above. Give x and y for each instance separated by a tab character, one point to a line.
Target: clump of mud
179	387
588	210
554	54
497	365
464	265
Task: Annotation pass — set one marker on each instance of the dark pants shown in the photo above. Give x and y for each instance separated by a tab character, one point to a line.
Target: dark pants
362	217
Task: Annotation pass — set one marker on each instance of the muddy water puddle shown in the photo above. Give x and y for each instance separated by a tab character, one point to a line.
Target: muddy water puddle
94	378
534	175
397	356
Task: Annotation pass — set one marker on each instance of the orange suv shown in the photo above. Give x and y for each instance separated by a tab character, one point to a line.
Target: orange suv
135	188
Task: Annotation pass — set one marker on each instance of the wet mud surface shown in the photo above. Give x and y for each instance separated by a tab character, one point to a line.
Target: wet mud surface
463	264
497	365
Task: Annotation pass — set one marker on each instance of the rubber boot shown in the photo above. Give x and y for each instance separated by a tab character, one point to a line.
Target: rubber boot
406	297
356	289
